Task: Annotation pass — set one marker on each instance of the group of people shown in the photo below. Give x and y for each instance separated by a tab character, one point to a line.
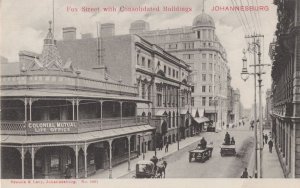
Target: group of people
227	140
270	143
160	170
161	145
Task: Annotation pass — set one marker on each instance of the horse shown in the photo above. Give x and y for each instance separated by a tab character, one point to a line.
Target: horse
161	169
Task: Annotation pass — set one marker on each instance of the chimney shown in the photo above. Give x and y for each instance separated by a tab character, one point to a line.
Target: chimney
86	35
69	33
107	30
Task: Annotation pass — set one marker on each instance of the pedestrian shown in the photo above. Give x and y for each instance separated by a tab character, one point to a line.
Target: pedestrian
266	138
68	172
245	174
154	159
161	145
270	146
167	147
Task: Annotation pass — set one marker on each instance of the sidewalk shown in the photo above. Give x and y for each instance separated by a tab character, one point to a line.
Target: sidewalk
271	165
122	169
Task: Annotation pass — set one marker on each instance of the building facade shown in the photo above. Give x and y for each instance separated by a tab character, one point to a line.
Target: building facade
160	77
200	47
285	54
267	119
54	115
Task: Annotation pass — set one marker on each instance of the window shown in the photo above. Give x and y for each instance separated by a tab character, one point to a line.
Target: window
143	91
173	73
193	89
198	34
149	63
203	77
188	56
210	66
192	101
189	45
176	74
203	66
165	69
209	89
215	57
143	61
210	77
210	103
159	99
203	101
169	70
203	89
210	56
203	56
137	59
149	92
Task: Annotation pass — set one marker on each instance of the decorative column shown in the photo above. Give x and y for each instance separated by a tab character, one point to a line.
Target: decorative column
85	160
110	158
22	159
73	109
32	161
76	160
121	113
128	138
30	103
101	114
77	108
25	106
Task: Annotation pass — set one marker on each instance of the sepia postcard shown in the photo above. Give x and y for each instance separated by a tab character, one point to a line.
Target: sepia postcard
165	93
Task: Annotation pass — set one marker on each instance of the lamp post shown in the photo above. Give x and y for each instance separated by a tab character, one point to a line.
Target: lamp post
215	116
245	75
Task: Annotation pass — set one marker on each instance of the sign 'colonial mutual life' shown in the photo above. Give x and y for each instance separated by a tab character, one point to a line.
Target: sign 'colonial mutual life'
51	127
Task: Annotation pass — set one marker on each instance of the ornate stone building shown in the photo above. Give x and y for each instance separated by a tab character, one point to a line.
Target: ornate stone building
285	54
199	46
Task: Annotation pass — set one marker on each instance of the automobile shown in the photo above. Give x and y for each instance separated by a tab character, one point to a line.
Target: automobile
200	154
228	150
145	169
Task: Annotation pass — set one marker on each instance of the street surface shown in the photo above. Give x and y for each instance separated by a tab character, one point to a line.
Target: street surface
216	166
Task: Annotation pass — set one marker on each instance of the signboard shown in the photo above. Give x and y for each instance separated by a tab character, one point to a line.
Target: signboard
51	127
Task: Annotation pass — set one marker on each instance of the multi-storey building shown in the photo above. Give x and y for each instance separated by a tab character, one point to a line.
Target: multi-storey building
285	54
200	47
267	120
53	114
159	76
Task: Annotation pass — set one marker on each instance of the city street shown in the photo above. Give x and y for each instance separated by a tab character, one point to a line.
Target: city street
216	166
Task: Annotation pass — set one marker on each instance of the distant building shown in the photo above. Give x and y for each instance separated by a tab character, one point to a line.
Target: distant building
268	109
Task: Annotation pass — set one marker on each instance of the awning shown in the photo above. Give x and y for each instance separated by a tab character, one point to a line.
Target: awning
197	112
161	112
71	138
201	119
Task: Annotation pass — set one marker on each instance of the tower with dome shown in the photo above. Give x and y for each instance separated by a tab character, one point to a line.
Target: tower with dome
200	47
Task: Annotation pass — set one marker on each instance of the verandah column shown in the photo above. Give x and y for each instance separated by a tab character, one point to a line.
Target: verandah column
128	138
101	113
32	161
30	103
110	158
76	160
25	106
22	159
85	160
73	109
121	113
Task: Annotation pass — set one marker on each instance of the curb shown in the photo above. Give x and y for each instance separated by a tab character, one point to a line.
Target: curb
160	159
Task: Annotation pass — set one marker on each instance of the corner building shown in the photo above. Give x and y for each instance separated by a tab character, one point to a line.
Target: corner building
53	114
199	46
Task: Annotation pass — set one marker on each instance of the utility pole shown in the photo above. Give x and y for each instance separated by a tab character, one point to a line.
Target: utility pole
258	141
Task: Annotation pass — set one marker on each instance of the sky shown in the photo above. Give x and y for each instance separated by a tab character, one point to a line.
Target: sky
25	24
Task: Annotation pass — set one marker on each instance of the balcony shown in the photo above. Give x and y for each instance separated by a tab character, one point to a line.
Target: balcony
68	127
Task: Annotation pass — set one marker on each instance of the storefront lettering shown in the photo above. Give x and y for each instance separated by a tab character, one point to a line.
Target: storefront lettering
51	127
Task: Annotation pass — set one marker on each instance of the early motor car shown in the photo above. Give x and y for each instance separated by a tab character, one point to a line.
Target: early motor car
145	169
228	149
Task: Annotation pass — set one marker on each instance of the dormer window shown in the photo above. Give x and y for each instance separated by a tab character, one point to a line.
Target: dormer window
198	34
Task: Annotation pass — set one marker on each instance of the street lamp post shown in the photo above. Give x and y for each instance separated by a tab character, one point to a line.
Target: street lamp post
245	76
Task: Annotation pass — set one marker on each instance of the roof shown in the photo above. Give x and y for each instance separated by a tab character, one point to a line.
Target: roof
83	137
203	20
145	162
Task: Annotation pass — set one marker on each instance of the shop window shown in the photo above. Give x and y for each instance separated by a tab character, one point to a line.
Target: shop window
54	162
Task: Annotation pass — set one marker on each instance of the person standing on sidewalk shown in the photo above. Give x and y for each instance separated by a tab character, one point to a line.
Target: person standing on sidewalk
245	174
270	146
266	138
167	147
